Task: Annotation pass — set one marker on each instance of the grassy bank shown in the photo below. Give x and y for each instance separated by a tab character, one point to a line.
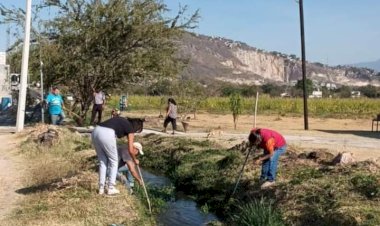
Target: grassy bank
308	192
337	108
61	188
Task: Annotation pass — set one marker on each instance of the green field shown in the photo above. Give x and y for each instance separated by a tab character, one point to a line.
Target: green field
337	108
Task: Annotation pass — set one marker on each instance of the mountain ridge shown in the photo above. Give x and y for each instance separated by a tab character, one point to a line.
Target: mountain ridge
222	59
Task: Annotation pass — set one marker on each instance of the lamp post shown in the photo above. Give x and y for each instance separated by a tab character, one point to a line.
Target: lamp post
24	70
305	110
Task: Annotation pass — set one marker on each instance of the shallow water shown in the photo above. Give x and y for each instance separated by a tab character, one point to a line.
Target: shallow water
180	212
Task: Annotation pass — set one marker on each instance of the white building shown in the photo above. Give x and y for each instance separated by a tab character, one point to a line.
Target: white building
4	77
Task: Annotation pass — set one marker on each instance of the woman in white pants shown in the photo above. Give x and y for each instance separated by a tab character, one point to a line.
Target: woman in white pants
104	140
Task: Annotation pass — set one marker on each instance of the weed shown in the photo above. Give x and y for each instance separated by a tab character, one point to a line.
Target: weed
158	196
306	174
257	213
367	185
205	208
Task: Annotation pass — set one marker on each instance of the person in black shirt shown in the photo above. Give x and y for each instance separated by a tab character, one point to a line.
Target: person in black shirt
104	140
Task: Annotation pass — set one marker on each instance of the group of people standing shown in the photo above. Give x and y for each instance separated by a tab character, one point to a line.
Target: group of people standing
55	106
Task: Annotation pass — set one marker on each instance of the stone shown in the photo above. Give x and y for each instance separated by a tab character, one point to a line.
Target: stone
343	159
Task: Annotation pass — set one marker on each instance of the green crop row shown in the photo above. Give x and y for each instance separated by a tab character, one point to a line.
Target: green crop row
357	108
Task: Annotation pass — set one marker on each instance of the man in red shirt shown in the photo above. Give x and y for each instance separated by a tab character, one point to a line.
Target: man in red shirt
274	145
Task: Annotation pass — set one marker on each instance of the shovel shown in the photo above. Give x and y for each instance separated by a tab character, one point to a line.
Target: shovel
146	192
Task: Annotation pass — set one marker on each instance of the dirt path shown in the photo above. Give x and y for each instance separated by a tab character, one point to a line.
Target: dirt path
11	174
334	135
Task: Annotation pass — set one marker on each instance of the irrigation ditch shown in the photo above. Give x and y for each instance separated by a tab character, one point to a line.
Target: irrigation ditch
310	189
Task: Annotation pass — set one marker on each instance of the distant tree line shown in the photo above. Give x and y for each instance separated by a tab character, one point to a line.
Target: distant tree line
174	87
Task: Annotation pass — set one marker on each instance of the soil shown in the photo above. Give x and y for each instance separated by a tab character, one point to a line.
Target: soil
12	169
334	135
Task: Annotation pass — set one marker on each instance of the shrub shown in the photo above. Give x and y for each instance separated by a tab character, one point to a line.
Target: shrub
257	213
367	185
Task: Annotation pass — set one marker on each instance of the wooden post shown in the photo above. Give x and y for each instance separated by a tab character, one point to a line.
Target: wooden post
255	116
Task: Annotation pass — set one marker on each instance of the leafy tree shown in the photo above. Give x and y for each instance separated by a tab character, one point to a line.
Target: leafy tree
271	89
236	107
309	86
249	90
370	91
163	87
344	91
108	44
191	95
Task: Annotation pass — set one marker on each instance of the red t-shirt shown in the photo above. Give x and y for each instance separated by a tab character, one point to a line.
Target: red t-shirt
270	139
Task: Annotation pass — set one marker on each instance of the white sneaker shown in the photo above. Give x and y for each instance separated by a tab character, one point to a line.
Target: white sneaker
113	191
268	184
101	191
130	190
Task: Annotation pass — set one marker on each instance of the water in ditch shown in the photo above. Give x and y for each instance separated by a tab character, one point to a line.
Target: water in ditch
179	212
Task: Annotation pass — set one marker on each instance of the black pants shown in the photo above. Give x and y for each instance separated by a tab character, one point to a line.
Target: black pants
172	120
97	108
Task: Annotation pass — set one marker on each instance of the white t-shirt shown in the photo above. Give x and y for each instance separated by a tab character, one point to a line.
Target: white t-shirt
99	98
124	153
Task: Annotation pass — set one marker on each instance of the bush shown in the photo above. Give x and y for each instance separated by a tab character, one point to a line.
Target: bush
257	213
367	185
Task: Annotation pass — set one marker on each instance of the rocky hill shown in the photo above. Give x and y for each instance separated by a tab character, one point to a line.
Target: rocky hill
375	65
215	58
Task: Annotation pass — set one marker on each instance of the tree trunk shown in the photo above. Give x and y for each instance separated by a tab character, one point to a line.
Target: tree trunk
235	120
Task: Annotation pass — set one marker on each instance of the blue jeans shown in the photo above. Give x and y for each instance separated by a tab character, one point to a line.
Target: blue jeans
130	182
269	166
57	119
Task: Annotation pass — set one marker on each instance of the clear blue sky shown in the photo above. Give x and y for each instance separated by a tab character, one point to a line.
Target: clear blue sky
337	31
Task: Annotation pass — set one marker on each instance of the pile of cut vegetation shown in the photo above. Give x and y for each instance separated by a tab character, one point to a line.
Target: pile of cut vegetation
310	190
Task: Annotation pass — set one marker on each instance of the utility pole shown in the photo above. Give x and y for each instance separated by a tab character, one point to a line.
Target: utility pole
24	70
305	110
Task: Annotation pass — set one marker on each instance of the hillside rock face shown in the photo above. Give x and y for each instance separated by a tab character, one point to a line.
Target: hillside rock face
236	62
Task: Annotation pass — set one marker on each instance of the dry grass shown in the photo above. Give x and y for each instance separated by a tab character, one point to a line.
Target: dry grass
61	188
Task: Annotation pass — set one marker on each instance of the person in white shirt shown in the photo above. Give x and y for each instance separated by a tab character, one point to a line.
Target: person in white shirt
99	102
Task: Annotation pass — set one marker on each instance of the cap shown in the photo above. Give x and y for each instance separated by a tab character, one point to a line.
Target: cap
138	146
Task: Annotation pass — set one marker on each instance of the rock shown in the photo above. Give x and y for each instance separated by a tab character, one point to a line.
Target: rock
302	156
320	155
343	159
48	137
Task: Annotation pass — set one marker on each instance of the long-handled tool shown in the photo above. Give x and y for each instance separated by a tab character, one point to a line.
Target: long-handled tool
146	192
240	175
